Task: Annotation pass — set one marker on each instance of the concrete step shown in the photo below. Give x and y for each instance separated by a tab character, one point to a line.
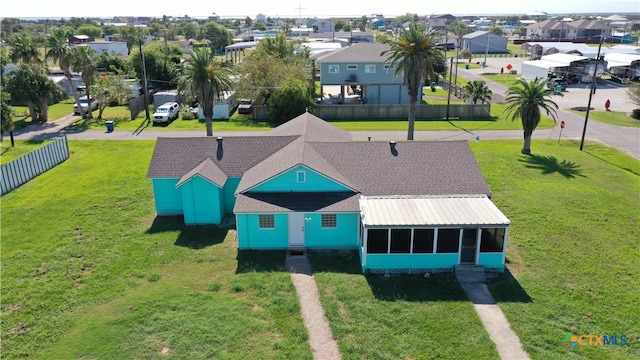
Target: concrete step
470	273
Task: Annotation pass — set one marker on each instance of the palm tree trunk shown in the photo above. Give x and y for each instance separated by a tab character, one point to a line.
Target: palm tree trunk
526	147
89	112
74	92
209	124
44	106
412	119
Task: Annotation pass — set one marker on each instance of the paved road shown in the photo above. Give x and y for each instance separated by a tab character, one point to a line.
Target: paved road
623	138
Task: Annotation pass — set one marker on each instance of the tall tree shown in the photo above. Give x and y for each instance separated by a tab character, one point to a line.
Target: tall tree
6	117
60	51
23	49
84	61
524	101
206	79
477	90
289	101
414	55
28	83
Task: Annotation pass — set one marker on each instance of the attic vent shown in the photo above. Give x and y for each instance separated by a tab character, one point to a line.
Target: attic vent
219	139
392	145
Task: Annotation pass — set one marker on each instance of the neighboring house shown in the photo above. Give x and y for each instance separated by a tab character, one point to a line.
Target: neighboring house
110	47
79	39
574	30
477	42
405	207
439	20
361	68
323	26
185	45
261	18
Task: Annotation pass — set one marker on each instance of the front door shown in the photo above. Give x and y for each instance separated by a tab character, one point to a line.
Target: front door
469	245
296	230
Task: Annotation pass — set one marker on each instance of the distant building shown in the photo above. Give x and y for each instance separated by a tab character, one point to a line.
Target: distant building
79	39
477	42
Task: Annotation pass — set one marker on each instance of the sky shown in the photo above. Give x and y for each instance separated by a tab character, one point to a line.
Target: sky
307	9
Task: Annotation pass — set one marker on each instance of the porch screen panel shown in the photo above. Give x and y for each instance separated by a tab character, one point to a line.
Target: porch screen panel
423	241
492	240
377	241
400	241
448	240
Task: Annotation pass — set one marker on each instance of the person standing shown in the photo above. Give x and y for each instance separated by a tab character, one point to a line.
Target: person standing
607	105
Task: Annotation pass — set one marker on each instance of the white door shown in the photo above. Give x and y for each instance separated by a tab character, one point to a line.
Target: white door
296	230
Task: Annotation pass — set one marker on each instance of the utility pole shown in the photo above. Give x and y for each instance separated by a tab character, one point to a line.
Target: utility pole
486	51
144	81
593	89
300	8
449	92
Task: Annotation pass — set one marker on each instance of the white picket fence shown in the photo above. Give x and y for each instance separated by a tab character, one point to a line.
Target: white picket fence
32	164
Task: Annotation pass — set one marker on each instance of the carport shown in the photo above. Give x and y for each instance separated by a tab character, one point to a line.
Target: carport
623	65
419	234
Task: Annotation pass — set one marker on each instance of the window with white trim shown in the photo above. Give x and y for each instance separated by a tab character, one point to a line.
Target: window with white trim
267	221
369	69
334	69
329	221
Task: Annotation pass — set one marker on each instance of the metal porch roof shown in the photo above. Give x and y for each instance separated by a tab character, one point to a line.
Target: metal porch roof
430	211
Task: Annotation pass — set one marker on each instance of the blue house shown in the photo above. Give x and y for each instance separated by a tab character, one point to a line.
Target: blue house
361	68
405	207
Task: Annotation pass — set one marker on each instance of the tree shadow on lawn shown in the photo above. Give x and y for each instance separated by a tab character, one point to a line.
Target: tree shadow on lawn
505	288
550	164
193	237
633	171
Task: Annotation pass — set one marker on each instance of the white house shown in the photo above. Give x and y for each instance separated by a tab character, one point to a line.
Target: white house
323	26
110	47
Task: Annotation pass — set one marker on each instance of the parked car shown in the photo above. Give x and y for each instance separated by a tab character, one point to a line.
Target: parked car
244	106
555	82
166	112
84	102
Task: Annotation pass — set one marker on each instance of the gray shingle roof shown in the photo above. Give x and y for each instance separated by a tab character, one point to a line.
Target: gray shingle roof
312	128
360	52
174	157
208	170
298	202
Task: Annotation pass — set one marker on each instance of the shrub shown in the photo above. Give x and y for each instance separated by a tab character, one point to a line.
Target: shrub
187	115
635	114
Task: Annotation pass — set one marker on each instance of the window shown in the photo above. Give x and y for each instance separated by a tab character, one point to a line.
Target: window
334	69
329	221
448	241
400	241
369	69
423	241
352	67
377	241
492	240
301	176
266	221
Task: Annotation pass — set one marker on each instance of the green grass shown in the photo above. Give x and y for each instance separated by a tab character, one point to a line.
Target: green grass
8	153
22	118
403	317
611	117
89	272
504	79
574	251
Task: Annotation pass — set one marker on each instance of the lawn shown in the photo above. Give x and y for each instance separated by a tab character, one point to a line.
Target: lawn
504	79
574	250
89	272
8	153
611	117
22	118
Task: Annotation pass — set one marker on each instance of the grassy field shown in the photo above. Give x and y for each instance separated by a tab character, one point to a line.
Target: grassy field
504	79
611	117
89	272
8	153
574	249
22	118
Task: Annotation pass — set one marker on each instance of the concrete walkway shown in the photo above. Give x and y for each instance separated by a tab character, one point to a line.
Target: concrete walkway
495	322
321	340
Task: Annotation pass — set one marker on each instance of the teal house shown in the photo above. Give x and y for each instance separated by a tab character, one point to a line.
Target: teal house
406	207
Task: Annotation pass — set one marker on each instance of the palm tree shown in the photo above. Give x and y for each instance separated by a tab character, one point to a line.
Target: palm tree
477	90
61	51
84	61
206	79
413	54
23	49
524	100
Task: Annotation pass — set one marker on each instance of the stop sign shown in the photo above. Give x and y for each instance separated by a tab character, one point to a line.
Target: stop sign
561	124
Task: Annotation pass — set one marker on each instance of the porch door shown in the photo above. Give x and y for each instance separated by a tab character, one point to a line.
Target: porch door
469	246
296	230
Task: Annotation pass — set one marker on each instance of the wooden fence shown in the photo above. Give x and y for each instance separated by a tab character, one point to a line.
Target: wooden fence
390	112
32	164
